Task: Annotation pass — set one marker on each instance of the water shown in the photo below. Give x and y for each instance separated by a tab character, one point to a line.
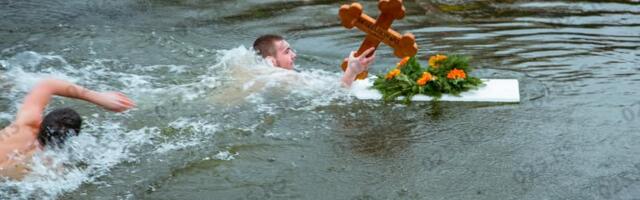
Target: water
199	133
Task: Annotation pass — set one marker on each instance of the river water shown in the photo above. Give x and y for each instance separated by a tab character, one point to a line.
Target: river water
213	122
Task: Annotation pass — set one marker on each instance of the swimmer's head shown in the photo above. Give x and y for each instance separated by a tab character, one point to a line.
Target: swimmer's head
276	50
59	125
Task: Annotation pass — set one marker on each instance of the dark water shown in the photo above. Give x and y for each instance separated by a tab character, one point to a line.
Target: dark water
573	136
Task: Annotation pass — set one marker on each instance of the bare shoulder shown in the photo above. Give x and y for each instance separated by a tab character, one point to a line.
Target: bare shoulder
8	131
15	142
14	131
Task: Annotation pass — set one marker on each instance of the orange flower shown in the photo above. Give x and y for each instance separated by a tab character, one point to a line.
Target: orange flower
426	77
403	62
456	74
434	61
393	73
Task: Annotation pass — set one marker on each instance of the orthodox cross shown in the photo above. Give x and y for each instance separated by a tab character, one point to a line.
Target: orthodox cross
378	30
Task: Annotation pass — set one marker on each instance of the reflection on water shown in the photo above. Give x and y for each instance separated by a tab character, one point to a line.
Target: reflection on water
368	134
198	134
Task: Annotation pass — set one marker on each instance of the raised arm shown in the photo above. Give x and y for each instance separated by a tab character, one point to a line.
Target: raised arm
31	111
356	66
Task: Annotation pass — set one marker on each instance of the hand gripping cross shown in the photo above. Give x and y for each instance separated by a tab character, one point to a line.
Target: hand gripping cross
378	30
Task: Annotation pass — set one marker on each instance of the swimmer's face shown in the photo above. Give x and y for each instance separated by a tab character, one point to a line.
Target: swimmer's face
285	56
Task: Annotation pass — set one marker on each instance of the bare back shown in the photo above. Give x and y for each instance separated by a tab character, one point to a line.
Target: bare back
17	146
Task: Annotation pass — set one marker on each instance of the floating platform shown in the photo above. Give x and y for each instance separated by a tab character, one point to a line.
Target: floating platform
493	90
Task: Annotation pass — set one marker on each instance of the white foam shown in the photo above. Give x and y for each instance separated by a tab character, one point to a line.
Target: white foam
106	141
102	144
190	133
225	155
266	84
85	158
6	116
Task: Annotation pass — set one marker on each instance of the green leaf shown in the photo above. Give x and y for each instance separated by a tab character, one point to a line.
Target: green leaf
405	83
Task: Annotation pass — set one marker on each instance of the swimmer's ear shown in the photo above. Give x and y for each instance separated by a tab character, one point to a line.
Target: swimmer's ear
271	60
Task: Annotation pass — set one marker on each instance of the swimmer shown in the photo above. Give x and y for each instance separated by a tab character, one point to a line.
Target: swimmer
30	132
276	50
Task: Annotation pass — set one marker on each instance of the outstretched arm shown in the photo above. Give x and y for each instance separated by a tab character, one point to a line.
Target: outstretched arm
356	66
31	111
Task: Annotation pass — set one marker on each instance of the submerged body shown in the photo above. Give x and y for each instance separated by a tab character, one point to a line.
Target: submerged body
277	51
276	67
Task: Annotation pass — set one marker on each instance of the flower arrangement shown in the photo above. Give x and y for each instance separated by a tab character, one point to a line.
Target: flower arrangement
444	75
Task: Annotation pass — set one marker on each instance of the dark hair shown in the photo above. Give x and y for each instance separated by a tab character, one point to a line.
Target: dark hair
58	125
265	45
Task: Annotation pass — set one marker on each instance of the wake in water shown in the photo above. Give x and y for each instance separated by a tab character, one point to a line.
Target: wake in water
105	140
250	79
166	101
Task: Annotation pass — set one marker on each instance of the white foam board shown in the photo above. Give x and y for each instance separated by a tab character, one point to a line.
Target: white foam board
494	90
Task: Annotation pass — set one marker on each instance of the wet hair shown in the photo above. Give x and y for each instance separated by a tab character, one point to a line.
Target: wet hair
265	45
59	125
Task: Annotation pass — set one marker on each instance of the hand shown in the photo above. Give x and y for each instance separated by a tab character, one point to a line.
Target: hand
357	65
115	101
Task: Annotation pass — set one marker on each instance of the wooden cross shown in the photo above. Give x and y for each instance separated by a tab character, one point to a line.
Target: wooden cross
378	30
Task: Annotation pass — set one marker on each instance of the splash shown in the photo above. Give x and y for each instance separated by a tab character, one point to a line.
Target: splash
187	133
169	117
105	141
83	159
223	155
271	88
